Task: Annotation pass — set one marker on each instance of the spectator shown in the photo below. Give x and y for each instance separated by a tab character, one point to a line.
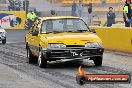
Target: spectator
74	8
12	5
80	8
90	8
110	17
90	16
53	12
17	5
127	13
103	1
131	19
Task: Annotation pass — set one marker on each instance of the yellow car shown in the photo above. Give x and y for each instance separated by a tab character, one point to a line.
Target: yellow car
64	38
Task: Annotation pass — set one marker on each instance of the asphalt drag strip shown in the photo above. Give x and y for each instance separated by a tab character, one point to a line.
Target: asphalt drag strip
56	75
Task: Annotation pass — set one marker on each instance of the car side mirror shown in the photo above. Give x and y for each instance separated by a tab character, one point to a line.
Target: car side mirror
93	30
35	33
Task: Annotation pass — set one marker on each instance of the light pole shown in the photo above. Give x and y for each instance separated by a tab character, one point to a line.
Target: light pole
25	6
52	3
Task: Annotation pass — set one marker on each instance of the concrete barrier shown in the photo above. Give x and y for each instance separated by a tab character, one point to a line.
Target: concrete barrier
119	39
12	19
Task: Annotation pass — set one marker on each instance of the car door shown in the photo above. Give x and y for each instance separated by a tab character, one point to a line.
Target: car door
35	39
29	38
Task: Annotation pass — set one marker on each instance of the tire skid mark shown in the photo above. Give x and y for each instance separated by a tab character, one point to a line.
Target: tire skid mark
119	53
46	76
18	46
113	70
21	54
41	73
9	56
41	76
13	54
14	57
13	49
58	74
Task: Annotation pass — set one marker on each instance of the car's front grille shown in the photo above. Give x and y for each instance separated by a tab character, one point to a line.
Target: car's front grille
74	53
75	46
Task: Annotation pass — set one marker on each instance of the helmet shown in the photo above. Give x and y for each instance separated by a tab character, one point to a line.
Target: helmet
30	11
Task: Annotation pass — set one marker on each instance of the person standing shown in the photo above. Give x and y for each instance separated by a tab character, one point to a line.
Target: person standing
127	13
74	8
12	5
80	8
110	17
31	17
90	15
53	13
17	5
131	18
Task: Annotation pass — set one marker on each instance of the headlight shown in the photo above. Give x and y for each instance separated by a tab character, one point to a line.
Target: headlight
94	45
56	46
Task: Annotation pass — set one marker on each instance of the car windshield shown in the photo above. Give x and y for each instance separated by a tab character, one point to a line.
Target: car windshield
64	25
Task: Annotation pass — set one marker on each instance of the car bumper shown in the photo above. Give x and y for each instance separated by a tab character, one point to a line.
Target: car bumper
2	38
69	53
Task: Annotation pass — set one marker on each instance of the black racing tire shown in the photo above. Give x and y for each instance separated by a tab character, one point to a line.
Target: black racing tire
98	61
31	58
42	62
4	41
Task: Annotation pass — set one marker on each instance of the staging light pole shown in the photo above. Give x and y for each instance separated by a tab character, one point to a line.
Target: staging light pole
25	6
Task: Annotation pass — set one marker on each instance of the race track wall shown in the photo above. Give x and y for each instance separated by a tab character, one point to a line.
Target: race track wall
12	19
119	39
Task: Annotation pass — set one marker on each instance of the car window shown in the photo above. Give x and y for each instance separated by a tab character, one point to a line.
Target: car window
43	27
64	25
49	25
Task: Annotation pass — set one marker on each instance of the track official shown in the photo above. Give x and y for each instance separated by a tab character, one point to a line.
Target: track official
127	13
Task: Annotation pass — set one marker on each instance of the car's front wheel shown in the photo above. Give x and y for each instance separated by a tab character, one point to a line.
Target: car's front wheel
42	62
98	61
4	41
31	57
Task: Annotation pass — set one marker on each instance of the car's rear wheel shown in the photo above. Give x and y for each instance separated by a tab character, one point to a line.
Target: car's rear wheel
31	57
42	62
98	61
4	41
